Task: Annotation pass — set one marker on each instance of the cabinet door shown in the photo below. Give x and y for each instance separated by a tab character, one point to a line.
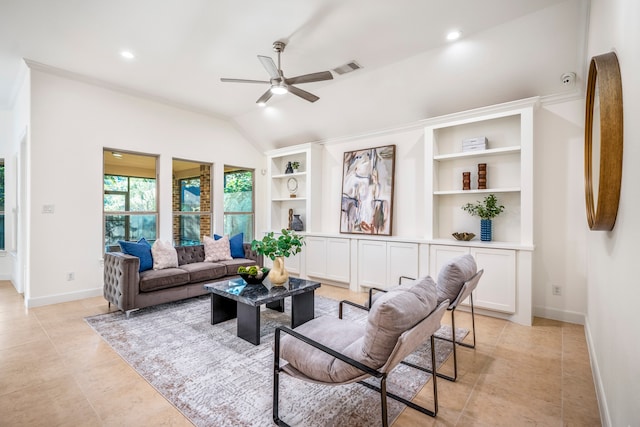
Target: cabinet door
402	260
497	287
338	260
372	263
440	255
292	264
316	256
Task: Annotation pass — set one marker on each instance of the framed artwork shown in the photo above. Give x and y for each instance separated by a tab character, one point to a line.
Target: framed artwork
367	191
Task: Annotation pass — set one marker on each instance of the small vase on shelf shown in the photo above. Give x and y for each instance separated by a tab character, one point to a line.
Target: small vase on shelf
296	223
485	230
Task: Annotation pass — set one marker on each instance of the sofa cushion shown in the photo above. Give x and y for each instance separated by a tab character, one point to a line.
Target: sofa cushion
153	280
140	249
216	250
201	271
453	275
190	254
164	255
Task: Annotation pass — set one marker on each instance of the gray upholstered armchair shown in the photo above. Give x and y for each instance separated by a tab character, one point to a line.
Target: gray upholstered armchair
334	351
457	280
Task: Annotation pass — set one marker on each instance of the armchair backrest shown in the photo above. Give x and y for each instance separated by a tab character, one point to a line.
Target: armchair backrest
468	287
453	276
393	314
410	340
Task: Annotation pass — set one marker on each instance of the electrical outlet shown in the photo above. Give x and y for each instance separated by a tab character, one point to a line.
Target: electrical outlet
556	290
71	276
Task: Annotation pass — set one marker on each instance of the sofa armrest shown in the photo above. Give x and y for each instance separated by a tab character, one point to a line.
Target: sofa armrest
251	254
121	279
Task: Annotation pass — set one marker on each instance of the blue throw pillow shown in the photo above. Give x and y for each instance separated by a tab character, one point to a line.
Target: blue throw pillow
235	243
141	249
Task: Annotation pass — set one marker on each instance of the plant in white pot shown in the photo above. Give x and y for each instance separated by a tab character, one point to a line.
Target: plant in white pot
277	249
486	210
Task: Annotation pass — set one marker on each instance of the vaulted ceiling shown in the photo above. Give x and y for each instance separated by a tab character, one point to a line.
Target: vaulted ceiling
509	49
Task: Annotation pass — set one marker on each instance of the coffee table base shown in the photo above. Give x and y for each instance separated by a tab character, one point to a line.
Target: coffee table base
248	323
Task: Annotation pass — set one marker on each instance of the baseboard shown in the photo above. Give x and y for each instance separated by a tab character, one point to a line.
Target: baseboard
561	315
605	418
58	298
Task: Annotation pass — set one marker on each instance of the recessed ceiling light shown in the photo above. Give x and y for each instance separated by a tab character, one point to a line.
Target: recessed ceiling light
127	54
454	35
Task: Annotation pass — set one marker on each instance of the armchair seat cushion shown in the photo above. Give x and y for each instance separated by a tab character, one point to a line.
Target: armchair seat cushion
318	365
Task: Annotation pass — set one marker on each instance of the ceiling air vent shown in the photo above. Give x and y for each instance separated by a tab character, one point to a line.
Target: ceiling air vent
347	68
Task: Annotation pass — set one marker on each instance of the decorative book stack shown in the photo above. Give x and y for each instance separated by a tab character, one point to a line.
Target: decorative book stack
474	144
482	176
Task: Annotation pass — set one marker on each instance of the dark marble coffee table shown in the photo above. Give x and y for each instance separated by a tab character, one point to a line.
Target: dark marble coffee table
236	299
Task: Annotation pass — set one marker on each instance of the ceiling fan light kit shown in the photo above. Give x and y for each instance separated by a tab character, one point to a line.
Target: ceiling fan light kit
279	83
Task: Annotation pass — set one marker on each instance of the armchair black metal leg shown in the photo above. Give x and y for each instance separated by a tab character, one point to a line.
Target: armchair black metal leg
473	327
276	380
383	401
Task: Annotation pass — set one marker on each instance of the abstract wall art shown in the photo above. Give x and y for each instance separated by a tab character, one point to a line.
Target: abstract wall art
367	191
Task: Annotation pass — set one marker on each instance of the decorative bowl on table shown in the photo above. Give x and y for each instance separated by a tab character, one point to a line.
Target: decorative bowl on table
253	276
463	236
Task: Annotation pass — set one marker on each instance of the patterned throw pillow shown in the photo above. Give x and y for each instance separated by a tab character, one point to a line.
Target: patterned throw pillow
217	250
164	255
236	243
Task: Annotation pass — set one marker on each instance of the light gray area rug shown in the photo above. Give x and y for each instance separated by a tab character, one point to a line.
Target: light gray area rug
217	379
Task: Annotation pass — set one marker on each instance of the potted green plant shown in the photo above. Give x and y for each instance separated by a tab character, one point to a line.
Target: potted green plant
486	210
288	243
295	166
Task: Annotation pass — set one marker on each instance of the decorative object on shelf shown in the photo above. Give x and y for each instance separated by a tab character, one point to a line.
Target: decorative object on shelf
486	210
466	180
367	191
482	176
277	249
290	219
295	166
289	168
603	136
464	236
474	144
253	275
296	223
292	186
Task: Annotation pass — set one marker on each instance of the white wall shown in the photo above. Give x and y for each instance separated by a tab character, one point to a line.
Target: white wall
409	210
560	228
71	124
613	325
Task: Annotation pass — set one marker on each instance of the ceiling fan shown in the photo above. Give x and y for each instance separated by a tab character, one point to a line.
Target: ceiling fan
281	84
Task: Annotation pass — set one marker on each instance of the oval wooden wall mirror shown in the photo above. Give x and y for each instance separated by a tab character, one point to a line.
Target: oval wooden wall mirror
603	141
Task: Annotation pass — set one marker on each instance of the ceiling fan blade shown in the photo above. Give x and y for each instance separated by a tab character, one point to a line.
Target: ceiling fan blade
270	66
265	97
308	78
243	81
302	94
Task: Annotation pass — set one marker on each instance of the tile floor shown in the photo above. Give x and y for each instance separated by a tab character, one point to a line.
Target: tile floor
55	371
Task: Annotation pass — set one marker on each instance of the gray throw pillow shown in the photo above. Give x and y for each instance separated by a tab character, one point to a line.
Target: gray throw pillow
453	275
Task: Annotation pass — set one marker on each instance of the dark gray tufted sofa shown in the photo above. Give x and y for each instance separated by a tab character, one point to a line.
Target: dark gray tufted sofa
129	290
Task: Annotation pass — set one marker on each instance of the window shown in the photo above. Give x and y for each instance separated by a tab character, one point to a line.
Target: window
191	202
130	194
238	202
2	246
